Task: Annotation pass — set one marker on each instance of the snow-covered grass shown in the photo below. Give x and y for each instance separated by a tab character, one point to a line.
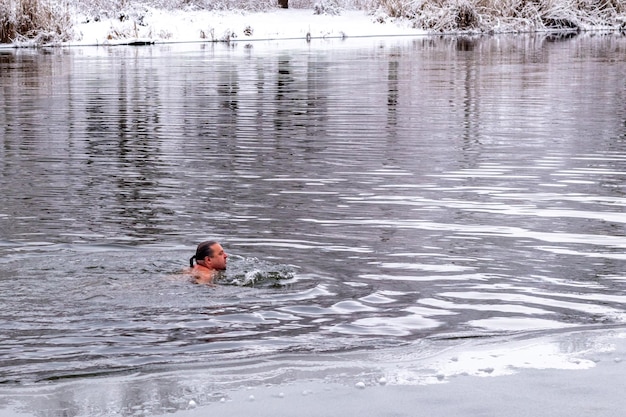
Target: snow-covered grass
510	15
35	22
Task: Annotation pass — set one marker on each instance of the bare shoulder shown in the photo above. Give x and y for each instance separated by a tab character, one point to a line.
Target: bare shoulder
184	275
198	276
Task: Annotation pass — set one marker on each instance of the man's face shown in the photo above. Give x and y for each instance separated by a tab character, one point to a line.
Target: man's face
218	260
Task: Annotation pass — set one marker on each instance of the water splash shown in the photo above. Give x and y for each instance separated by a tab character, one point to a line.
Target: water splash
253	272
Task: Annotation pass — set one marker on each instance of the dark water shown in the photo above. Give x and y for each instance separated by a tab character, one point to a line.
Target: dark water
371	194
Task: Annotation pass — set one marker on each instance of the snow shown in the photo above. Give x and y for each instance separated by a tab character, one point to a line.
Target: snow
575	374
161	26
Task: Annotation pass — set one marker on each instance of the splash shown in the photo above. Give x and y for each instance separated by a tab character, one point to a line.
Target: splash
252	272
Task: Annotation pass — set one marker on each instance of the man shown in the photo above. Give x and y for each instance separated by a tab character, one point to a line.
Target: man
210	258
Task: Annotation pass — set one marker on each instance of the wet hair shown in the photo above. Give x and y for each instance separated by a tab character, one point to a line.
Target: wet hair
203	250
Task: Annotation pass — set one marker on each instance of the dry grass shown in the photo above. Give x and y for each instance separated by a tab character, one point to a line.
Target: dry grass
508	15
34	21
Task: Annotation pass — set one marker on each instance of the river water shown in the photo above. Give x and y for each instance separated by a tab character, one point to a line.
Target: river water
372	194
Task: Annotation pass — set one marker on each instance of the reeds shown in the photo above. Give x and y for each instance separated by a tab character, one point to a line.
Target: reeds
33	21
508	15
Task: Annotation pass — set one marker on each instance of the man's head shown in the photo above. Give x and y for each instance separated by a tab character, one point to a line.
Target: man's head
211	255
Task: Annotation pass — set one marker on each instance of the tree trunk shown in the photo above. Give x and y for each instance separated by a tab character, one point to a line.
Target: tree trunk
283	4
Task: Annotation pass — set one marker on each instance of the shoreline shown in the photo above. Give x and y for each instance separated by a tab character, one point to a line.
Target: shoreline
574	373
157	26
161	27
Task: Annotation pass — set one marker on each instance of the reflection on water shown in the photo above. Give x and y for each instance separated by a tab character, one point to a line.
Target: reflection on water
373	194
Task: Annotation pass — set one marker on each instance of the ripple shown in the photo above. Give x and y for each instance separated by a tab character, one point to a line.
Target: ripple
365	199
387	326
509	324
502	308
557	303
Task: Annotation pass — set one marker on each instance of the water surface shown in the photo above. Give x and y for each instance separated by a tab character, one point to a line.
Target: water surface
373	194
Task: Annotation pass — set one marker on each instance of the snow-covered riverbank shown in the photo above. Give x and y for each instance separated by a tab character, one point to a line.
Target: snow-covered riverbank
31	24
202	25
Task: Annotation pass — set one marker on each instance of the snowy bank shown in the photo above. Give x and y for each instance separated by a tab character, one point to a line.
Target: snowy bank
202	26
33	23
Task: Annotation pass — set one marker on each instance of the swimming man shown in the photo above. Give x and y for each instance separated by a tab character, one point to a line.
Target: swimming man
210	258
